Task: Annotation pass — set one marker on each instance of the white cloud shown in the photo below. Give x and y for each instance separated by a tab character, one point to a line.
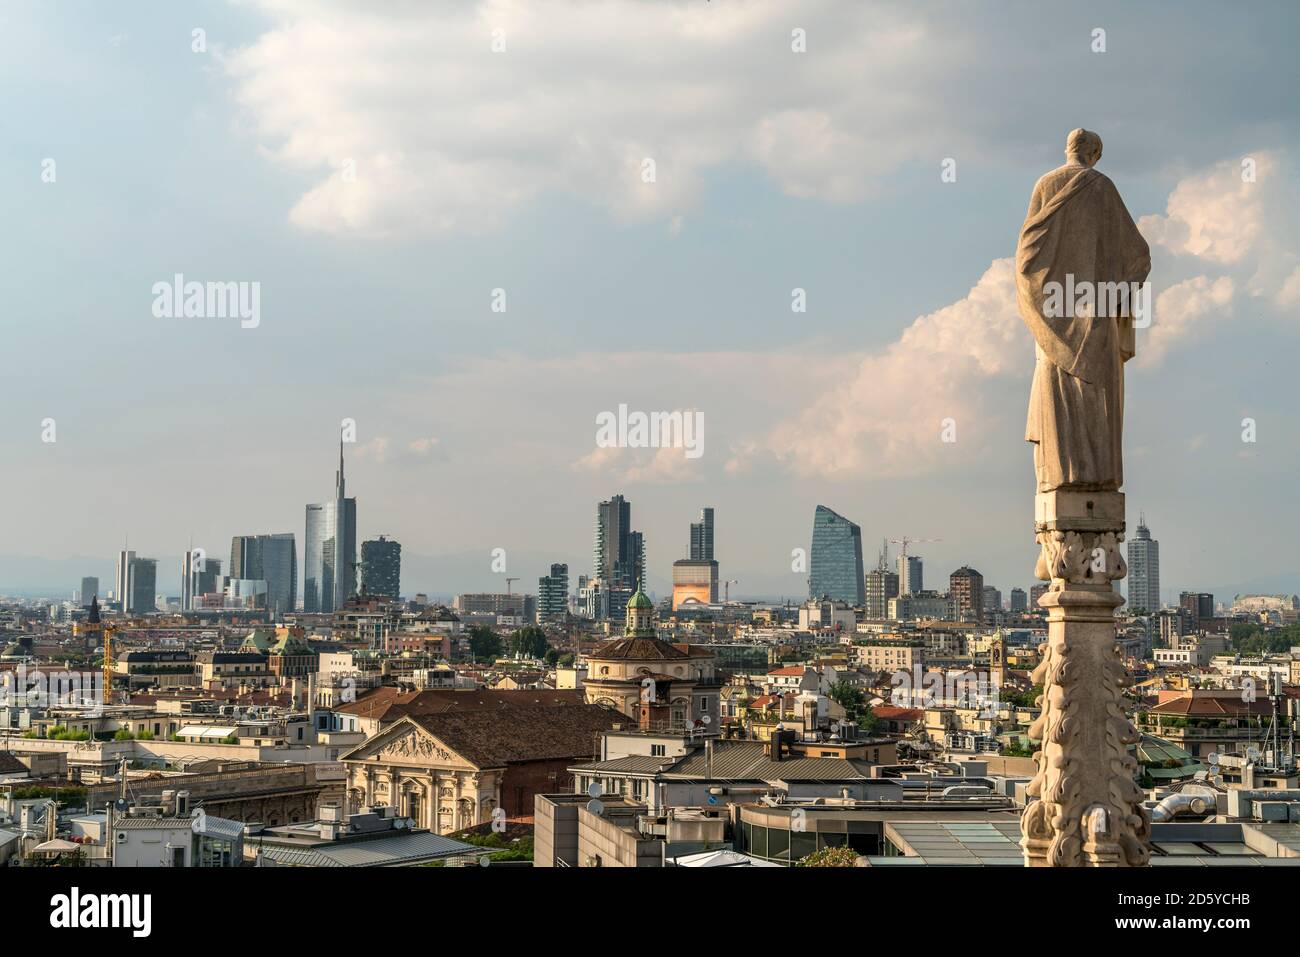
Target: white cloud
446	135
886	417
1214	215
663	466
1184	312
382	450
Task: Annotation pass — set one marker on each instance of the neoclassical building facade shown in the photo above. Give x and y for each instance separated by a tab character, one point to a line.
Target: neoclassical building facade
451	771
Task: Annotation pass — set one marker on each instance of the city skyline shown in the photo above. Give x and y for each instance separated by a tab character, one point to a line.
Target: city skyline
490	444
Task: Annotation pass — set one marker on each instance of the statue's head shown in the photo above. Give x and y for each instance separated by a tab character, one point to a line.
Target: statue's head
1083	146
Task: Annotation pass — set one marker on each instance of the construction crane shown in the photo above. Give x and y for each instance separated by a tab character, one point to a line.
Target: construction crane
905	541
726	589
107	691
508	582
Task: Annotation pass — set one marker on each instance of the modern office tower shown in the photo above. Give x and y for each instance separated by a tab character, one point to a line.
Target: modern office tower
122	581
835	568
89	590
702	537
966	588
619	554
381	567
208	581
246	593
1036	592
909	575
553	595
1019	601
695	580
1143	571
189	579
198	581
330	550
992	605
882	585
272	559
144	585
1198	605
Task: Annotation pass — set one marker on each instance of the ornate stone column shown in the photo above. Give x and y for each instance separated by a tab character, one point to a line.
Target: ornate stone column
1085	807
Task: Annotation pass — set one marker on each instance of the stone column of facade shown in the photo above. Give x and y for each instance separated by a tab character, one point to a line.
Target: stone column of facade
1085	808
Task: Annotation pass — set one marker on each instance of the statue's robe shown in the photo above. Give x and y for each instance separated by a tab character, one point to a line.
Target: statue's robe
1077	225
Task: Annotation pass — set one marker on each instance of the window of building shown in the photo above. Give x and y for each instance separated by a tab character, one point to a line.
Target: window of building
657	750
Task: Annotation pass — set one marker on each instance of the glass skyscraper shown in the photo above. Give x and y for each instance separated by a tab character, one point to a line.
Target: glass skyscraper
330	550
272	559
835	569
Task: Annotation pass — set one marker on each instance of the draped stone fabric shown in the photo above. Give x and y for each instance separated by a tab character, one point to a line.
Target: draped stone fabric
1078	234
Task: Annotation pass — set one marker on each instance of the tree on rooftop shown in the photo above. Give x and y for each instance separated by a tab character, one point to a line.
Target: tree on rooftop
830	857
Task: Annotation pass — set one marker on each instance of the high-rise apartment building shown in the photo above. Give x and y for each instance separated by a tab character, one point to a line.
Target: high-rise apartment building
1019	601
553	595
835	566
1143	571
381	567
619	553
89	589
909	575
330	550
272	559
882	585
702	537
966	589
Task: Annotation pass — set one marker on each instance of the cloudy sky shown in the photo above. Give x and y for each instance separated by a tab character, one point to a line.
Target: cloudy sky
380	169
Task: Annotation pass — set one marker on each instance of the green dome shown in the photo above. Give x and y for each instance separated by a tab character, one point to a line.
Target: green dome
639	599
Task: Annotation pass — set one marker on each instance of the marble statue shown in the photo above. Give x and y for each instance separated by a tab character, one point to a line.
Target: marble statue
1080	265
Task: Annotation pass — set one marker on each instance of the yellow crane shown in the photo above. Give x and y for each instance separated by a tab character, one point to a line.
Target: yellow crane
108	663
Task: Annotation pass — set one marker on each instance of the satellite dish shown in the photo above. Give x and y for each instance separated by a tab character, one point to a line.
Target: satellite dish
1252	752
122	804
595	807
593	790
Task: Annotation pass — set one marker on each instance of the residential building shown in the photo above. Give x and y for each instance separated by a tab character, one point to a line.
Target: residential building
881	586
553	594
966	590
381	567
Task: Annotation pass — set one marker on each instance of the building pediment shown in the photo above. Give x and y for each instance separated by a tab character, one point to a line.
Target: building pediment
406	743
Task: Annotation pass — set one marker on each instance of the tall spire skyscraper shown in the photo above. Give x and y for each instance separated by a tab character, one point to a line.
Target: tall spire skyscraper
330	549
